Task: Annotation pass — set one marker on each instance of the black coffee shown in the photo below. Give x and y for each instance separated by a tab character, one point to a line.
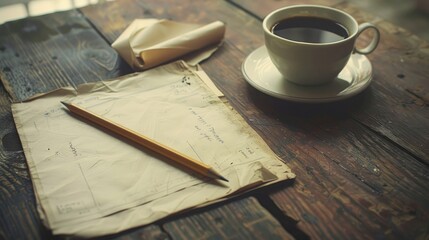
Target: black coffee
310	29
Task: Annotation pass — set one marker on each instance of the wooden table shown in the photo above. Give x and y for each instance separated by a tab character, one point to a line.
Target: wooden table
362	164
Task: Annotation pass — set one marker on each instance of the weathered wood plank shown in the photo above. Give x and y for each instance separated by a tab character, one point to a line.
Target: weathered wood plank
18	208
351	182
117	19
19	218
158	9
327	144
243	219
40	54
259	9
401	89
177	229
37	55
356	173
352	178
398	106
148	232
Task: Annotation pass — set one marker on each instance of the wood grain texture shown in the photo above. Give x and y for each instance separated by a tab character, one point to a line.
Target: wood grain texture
398	106
148	232
243	219
184	229
401	89
117	20
37	55
260	10
40	54
19	218
299	124
351	183
361	164
350	177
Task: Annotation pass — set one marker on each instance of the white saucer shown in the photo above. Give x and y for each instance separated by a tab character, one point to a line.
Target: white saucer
260	72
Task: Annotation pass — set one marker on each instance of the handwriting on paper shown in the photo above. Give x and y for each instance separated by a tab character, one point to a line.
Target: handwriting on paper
205	129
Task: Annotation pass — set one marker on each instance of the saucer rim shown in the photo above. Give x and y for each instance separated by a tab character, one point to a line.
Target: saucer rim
366	82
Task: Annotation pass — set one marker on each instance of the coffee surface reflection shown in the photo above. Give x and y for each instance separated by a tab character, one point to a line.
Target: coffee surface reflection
310	30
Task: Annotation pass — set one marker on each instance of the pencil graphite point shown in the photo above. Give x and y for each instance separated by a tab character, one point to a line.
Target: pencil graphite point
65	104
212	173
223	179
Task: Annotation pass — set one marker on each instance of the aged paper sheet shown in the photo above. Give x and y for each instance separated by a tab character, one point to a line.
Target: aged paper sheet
89	182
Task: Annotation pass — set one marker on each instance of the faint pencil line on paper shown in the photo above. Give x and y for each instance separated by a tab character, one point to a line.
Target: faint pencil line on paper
87	185
193	149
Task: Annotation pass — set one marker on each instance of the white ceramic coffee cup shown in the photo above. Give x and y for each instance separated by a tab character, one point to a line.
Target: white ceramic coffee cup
314	63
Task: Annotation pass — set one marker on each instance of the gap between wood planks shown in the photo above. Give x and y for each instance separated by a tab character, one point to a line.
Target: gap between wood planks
79	10
288	223
260	194
245	10
386	138
424	101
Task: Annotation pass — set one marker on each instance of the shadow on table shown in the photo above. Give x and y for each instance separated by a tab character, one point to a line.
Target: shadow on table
310	113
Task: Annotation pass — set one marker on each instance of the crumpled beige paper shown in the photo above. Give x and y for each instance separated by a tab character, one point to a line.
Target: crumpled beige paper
147	43
89	182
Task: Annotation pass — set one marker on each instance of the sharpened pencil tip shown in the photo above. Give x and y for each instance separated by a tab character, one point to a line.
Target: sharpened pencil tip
213	174
65	104
223	179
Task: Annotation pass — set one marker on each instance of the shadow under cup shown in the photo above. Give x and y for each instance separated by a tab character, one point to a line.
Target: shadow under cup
309	63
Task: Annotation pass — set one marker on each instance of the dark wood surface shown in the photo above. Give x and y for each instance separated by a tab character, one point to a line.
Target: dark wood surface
361	164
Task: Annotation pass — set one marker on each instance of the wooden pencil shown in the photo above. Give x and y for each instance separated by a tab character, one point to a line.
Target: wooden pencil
186	161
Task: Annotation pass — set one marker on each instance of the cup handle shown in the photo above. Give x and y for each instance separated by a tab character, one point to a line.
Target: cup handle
374	42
